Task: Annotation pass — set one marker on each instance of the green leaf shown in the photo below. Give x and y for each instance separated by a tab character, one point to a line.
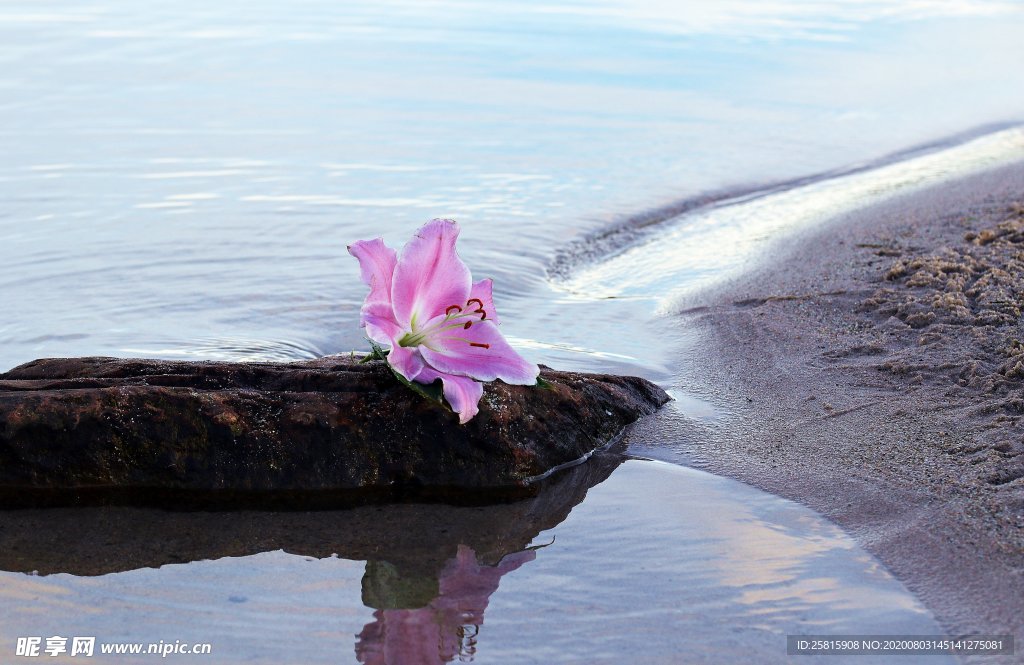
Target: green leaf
378	353
543	385
432	391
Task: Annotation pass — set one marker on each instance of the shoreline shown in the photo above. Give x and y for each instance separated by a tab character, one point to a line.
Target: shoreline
870	370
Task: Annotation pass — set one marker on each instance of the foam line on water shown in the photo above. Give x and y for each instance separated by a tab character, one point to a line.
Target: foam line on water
709	244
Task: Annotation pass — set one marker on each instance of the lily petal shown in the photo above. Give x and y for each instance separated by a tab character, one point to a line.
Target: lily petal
482	291
379	321
407	361
376	268
462	393
479	352
429	275
382	329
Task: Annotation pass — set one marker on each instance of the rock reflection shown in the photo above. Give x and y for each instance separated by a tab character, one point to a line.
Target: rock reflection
431	569
417	539
443	629
659	553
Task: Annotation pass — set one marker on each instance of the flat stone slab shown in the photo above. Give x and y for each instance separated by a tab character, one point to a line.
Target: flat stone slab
330	430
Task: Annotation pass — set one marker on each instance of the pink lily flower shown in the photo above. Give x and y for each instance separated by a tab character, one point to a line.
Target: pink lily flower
438	323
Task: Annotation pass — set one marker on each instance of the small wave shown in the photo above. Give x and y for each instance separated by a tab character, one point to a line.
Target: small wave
232	349
664	253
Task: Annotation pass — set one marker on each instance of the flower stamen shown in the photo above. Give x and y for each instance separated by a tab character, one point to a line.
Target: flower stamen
479	309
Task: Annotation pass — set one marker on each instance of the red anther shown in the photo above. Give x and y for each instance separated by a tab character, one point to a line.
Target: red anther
482	346
480	307
448	312
468	324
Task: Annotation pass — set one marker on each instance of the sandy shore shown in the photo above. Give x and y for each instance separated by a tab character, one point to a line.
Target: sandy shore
875	370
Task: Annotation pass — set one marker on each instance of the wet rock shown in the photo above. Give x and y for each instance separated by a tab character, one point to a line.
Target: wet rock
330	431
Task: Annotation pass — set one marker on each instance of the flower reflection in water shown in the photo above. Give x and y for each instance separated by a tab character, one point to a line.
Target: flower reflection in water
443	629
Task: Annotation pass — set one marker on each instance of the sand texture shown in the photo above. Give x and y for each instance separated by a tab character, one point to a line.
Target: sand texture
874	370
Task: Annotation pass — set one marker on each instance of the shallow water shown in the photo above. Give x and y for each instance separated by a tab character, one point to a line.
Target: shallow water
712	571
180	180
669	261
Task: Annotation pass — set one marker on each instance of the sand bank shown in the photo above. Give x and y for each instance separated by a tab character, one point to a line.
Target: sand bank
874	368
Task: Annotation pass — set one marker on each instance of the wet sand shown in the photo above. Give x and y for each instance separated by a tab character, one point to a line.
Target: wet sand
874	368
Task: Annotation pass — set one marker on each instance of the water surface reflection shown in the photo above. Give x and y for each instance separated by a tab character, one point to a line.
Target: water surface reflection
611	560
440	630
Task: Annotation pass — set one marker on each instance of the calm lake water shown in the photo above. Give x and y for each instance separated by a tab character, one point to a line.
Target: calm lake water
180	180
